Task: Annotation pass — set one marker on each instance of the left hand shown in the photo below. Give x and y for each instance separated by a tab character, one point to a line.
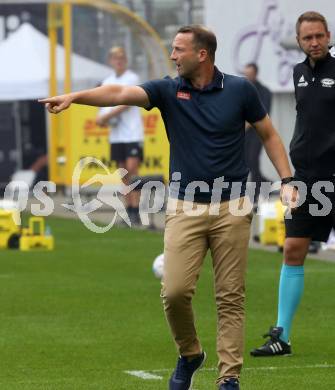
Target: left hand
289	196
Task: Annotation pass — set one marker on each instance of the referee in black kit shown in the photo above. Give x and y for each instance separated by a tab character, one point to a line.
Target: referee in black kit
312	152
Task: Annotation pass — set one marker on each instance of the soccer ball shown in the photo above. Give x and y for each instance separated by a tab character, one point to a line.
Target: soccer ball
158	266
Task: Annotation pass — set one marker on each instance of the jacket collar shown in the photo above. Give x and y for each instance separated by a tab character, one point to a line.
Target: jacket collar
320	62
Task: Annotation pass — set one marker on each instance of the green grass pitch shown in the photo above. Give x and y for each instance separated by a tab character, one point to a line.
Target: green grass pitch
81	316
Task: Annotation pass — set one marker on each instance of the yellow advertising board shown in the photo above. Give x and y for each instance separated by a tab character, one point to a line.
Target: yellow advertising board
85	139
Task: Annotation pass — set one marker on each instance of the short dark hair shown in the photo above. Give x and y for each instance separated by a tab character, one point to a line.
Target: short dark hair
311	16
254	66
203	38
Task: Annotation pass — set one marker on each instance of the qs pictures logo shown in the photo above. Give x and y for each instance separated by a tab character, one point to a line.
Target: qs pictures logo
107	194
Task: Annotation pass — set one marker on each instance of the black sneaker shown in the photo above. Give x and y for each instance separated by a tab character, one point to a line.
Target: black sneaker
182	376
230	384
274	346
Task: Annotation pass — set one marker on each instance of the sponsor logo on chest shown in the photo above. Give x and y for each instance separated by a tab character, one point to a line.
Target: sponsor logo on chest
327	83
183	95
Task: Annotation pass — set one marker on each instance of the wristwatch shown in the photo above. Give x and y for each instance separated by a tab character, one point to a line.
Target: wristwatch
286	180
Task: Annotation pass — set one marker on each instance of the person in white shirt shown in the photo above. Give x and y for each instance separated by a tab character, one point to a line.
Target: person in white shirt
126	135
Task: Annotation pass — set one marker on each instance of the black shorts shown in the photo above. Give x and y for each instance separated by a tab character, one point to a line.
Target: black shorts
120	152
304	224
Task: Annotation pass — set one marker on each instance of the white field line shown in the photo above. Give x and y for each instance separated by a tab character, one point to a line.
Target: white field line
144	375
152	374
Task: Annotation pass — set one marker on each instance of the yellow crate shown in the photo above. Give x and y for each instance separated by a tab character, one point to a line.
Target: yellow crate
8	227
28	243
34	237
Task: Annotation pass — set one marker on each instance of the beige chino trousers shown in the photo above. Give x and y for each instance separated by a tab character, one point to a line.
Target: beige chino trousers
186	241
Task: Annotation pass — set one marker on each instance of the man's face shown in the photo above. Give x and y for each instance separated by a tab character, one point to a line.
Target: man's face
118	62
250	73
313	40
184	54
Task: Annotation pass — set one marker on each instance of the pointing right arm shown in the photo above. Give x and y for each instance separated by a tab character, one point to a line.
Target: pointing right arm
104	96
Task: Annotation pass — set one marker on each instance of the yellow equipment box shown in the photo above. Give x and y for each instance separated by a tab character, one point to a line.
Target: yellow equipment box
34	237
9	230
271	225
